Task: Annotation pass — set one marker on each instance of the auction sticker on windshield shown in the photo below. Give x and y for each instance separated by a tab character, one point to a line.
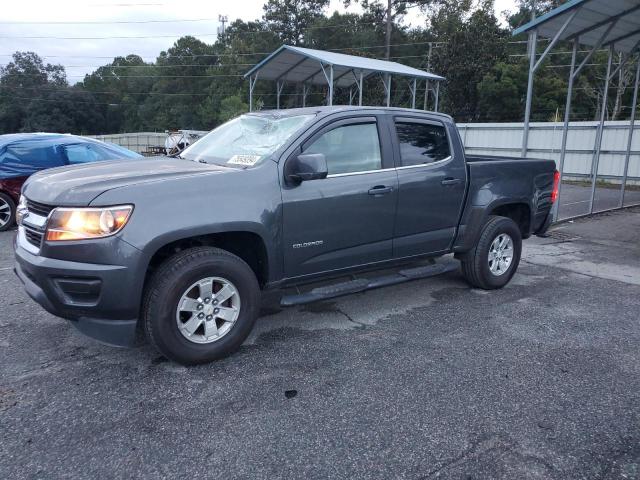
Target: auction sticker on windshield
247	160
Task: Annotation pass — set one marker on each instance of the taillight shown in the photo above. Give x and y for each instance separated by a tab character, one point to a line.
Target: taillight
556	184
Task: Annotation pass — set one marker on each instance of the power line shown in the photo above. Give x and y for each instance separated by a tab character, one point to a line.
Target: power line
247	32
126	5
129	76
112	37
136	104
198	55
217	65
195	55
113	22
91	92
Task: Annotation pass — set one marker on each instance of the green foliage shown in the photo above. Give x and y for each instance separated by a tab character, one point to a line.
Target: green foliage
291	19
195	85
473	43
231	107
35	96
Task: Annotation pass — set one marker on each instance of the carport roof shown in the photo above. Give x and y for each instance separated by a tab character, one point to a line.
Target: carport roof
592	20
303	65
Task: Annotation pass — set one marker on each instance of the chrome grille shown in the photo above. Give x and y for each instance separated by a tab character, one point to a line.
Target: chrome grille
39	208
34	222
33	236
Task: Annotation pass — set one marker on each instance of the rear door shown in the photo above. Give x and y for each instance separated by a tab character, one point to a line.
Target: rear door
431	183
346	219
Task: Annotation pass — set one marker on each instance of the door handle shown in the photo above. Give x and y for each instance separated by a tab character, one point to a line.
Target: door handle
450	181
380	190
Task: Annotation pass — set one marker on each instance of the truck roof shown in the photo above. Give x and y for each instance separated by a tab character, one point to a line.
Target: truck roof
325	110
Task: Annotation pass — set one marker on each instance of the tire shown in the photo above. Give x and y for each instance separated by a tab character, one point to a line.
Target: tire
7	212
171	290
477	264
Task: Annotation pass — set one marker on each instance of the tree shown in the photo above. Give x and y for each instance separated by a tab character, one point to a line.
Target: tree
502	94
35	96
291	19
231	107
185	73
389	13
121	87
472	43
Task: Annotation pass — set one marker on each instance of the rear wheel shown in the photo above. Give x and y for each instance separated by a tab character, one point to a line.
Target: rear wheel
7	212
200	305
496	256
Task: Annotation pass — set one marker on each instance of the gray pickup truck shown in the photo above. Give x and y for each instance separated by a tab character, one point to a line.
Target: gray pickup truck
183	247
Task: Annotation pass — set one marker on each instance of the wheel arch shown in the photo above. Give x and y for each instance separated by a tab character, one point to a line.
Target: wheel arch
248	245
519	210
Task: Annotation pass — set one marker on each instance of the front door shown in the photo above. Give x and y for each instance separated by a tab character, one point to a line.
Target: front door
346	219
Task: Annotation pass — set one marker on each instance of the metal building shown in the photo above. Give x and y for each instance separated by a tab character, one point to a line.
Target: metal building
308	67
614	24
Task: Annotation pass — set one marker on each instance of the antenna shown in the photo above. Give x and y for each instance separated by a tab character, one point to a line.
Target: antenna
222	19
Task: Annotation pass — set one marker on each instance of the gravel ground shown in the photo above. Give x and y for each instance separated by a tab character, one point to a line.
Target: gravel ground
430	379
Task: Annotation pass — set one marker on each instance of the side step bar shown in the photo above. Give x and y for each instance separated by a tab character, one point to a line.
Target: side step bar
362	284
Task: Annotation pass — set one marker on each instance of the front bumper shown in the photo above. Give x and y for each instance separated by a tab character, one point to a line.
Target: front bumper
102	301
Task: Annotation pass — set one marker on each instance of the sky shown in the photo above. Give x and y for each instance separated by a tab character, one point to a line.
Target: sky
104	29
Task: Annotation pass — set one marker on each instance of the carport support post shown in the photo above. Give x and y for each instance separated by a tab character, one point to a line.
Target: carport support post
329	78
413	93
330	85
387	82
426	94
631	127
533	41
305	91
565	127
360	87
435	107
279	87
252	84
598	144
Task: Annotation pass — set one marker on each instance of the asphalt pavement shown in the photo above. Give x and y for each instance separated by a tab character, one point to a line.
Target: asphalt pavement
430	379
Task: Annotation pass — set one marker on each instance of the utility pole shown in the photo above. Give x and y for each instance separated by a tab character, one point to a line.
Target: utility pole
222	19
389	25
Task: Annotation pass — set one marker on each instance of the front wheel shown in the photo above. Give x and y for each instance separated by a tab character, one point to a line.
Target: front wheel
7	212
496	256
201	305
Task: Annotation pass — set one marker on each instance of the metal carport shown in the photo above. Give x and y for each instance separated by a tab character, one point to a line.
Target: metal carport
614	24
307	67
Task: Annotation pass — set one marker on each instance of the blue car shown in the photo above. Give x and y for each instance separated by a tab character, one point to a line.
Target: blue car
23	154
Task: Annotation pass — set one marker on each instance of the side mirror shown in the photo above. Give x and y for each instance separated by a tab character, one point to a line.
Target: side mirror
305	167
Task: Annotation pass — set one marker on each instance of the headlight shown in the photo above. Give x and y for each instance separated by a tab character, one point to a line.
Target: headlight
21	209
84	223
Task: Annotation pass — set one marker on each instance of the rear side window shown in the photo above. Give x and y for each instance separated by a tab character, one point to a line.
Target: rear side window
81	153
349	149
26	158
422	143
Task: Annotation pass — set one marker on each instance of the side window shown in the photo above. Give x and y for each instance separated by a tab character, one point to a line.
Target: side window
33	156
80	153
422	143
104	153
348	149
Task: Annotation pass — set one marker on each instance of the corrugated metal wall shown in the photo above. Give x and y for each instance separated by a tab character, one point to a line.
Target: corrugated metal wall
545	141
138	142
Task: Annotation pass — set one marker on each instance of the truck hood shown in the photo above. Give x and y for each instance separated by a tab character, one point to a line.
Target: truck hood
78	185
